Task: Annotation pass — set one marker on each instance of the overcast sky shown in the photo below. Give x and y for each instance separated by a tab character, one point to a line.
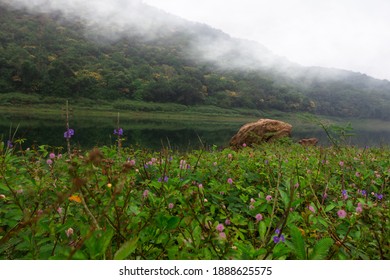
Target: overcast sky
347	34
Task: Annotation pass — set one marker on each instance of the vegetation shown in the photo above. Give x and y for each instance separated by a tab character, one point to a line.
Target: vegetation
274	201
46	57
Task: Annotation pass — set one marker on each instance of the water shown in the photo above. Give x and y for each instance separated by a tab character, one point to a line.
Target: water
154	133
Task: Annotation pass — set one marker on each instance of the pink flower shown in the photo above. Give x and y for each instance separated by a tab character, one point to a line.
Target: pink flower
359	209
244	145
145	194
170	205
59	210
220	227
69	232
230	181
268	198
52	155
341	163
222	235
49	162
342	214
227	222
259	217
230	156
200	186
311	208
132	162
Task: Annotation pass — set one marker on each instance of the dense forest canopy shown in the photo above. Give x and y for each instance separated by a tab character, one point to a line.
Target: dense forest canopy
55	56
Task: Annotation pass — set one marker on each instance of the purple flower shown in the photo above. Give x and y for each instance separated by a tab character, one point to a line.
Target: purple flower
9	144
118	132
230	181
342	214
69	133
220	227
363	192
379	196
277	231
259	217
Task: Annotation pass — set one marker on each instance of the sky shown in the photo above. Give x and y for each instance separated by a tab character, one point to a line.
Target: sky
347	34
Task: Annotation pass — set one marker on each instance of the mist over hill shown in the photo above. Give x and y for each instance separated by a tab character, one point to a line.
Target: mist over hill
128	50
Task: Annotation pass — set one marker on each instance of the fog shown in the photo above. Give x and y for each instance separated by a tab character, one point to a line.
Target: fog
111	19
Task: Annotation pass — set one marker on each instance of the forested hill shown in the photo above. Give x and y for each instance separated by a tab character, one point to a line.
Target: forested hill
162	58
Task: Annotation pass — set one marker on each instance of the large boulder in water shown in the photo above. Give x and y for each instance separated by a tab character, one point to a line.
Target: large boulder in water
264	130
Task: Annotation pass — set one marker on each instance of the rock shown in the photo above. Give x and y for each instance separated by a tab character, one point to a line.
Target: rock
264	130
308	141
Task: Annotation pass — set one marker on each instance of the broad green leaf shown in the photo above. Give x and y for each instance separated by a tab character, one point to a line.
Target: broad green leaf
126	249
298	243
321	249
262	230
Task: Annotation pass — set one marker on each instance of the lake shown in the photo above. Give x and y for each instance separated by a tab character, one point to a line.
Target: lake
154	132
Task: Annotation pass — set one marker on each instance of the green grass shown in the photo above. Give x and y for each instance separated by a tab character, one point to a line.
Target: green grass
274	201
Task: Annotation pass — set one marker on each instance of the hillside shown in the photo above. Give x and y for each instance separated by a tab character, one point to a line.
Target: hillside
158	57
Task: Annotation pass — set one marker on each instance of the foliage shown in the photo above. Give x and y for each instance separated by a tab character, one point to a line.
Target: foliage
275	201
49	55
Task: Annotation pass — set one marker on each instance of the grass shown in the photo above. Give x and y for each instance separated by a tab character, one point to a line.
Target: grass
274	201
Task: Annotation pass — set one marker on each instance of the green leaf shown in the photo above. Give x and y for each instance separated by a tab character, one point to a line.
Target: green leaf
126	249
262	230
320	250
285	197
173	222
298	243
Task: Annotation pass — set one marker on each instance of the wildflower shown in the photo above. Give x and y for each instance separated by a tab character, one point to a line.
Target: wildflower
60	210
9	144
296	185
222	235
205	200
244	145
170	205
277	231
75	198
220	227
52	155
357	174
109	185
69	232
363	192
69	133
344	194
2	196
230	181
341	163
379	196
227	222
200	186
182	164
118	132
359	209
342	214
49	162
59	156
268	198
311	208
132	162
253	200
278	239
145	194
251	207
266	162
230	156
39	212
165	179
215	163
259	217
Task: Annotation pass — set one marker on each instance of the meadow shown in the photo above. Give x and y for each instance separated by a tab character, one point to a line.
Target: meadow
273	201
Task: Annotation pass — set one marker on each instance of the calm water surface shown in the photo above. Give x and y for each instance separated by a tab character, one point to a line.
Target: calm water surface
152	134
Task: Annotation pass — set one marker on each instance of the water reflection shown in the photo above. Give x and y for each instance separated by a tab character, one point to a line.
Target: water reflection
153	134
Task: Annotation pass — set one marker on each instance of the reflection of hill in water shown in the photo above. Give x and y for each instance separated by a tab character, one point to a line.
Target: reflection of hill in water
154	134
